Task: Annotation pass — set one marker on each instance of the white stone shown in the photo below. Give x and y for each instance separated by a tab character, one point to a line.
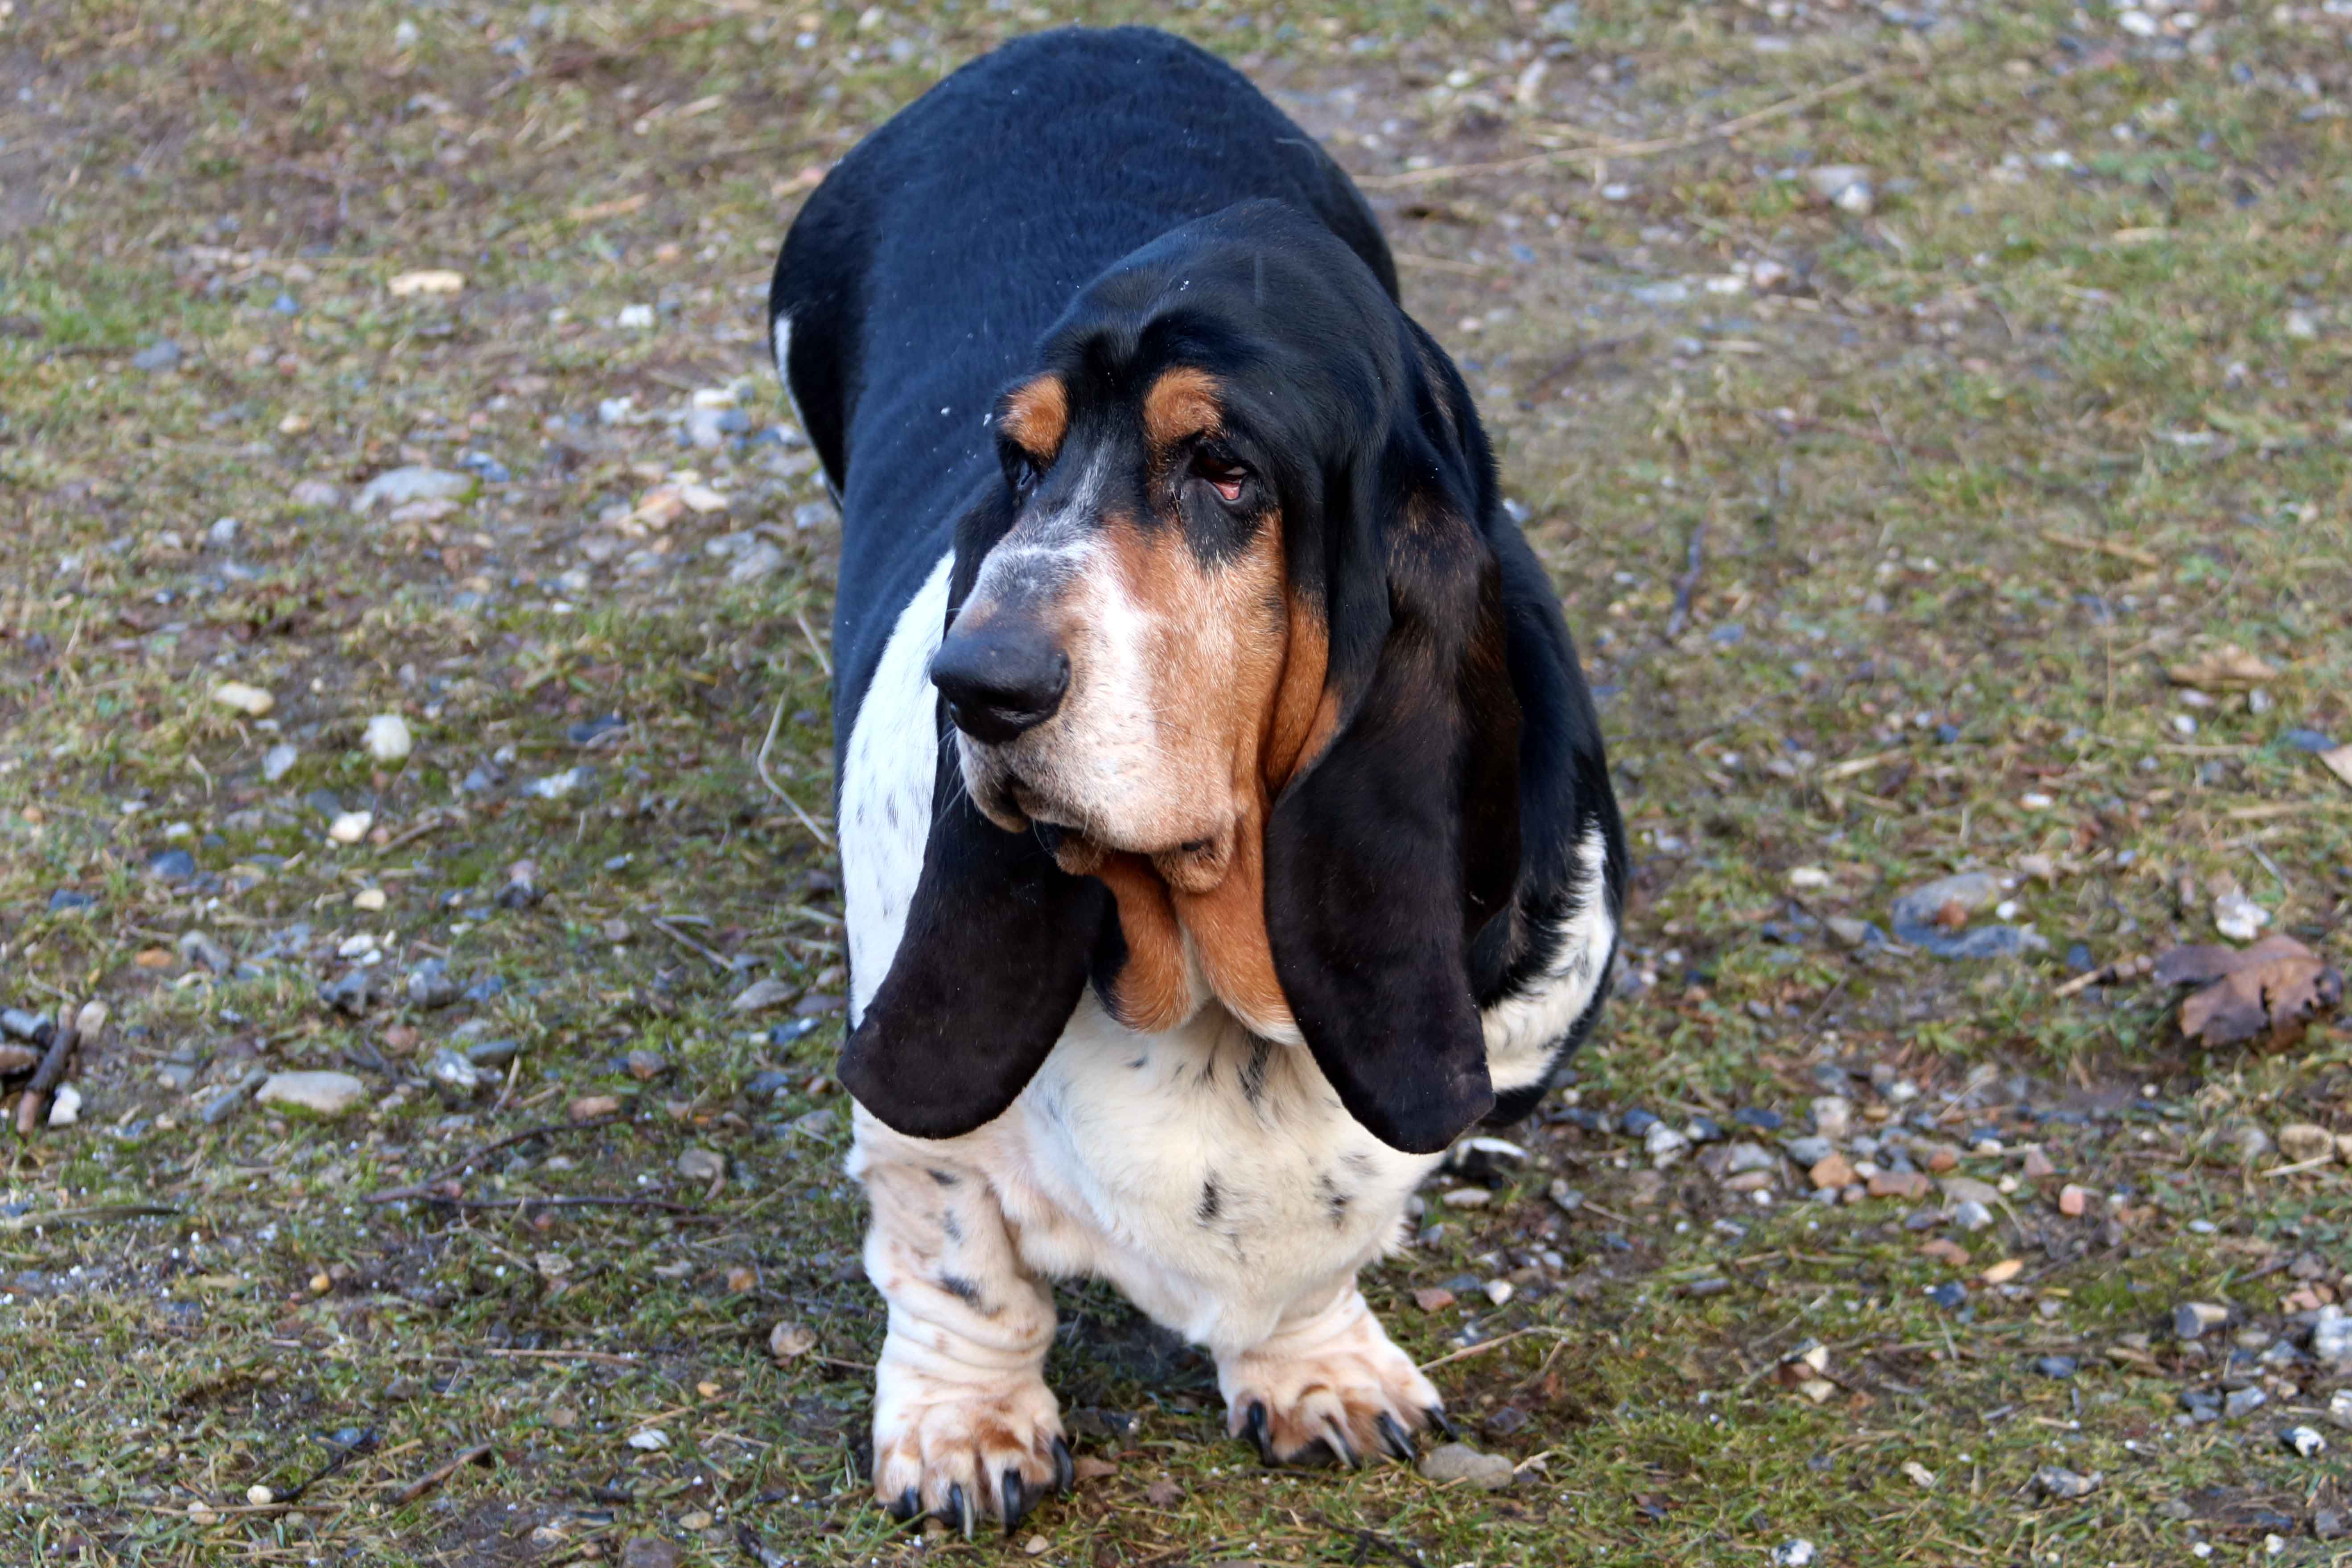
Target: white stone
65	1109
2238	916
250	700
278	760
327	1093
760	994
2331	1336
1846	185
398	487
429	280
350	826
387	738
758	561
555	786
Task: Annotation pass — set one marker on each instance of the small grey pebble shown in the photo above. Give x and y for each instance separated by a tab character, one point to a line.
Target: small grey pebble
171	864
430	984
767	1085
1461	1462
2055	1482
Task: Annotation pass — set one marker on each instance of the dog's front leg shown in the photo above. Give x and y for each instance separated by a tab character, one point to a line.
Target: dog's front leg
964	1426
1328	1384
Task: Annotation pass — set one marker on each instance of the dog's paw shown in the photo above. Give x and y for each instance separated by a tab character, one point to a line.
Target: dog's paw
969	1454
1349	1397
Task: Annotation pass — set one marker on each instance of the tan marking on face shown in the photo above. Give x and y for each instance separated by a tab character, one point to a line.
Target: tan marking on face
1154	988
1227	925
1037	416
1221	657
1304	714
1181	403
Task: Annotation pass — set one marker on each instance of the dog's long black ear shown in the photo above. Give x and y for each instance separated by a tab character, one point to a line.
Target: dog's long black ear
1388	851
997	948
996	951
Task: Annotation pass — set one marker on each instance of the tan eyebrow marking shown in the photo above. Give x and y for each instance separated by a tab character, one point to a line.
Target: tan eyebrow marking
1181	403
1037	415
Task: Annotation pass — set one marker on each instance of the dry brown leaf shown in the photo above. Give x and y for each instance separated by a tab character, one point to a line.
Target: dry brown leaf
2338	762
2268	992
2226	669
2204	962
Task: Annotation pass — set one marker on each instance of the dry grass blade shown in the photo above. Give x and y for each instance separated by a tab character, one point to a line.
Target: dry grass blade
1604	150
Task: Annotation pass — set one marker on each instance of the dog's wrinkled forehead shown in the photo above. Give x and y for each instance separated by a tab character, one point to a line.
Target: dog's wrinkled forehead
1287	324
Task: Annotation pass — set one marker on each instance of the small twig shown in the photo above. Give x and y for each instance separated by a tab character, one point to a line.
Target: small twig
1366	1542
587	1200
1483	1346
1574	357
365	1444
2115	974
1687	584
608	1358
438	1474
105	1213
1731	127
52	1070
1894	445
420	1188
2299	1166
816	647
683	940
819	834
411	833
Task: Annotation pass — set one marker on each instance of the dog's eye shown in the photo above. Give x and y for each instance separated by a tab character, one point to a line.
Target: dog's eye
1225	476
1023	472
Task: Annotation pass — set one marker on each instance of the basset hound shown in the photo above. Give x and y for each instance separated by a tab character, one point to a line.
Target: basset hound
1224	826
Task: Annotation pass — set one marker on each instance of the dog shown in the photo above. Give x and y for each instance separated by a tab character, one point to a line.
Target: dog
1224	822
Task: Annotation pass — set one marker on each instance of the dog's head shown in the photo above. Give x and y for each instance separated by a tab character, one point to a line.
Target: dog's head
1229	644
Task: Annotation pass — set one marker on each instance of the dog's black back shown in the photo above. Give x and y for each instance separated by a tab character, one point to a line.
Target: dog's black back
896	334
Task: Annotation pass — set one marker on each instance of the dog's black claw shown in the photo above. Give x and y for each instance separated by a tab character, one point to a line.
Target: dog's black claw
1066	1468
1014	1498
1436	1417
1253	1424
957	1512
1399	1444
908	1504
1336	1436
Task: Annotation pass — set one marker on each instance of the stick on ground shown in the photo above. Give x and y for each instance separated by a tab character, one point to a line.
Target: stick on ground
438	1474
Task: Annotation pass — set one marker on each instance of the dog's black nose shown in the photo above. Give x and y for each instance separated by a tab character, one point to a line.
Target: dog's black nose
1000	680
